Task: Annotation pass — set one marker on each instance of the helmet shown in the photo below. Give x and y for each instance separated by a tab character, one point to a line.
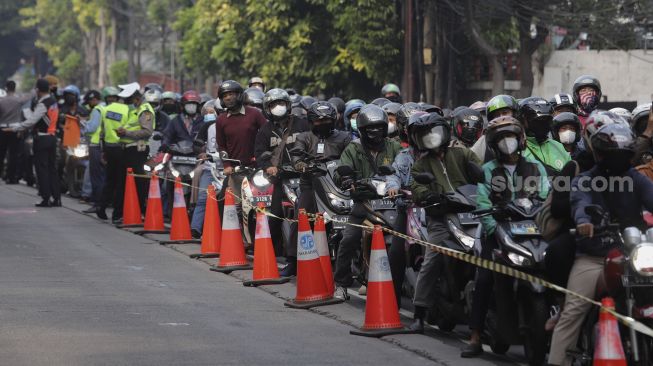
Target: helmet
72	89
499	102
407	110
231	86
209	104
353	107
596	120
371	115
391	108
190	96
537	113
153	86
338	103
153	96
562	100
585	80
110	91
390	88
217	105
422	124
307	101
613	139
640	118
380	102
322	110
350	101
499	127
467	125
254	97
291	91
274	95
205	97
256	80
564	119
168	95
478	106
623	113
431	108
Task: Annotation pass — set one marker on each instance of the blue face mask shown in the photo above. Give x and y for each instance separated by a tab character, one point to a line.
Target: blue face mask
209	117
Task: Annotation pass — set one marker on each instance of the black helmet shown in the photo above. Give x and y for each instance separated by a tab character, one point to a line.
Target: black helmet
152	86
426	107
230	86
274	95
499	102
350	101
392	92
499	127
295	100
612	139
595	121
322	110
467	125
205	97
433	125
407	110
380	102
564	119
583	81
371	115
536	112
338	104
254	97
562	100
391	108
307	101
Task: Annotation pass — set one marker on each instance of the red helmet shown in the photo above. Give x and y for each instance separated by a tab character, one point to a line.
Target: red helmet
191	96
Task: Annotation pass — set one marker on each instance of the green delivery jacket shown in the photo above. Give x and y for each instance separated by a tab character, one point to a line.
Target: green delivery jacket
550	153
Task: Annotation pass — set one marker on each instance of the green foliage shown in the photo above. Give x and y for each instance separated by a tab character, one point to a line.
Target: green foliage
27	79
119	72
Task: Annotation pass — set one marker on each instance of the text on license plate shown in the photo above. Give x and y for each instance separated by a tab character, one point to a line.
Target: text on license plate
382	204
184	160
524	228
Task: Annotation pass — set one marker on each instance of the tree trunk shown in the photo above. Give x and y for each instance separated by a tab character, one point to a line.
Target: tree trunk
131	33
488	50
114	39
498	75
527	46
102	51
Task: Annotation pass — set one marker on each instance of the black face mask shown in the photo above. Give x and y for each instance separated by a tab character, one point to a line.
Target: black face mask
323	130
169	108
469	136
374	137
394	98
70	99
53	91
616	164
539	129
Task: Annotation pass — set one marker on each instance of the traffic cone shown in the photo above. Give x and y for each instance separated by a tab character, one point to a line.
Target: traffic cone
608	350
265	261
153	210
131	216
180	229
381	311
232	250
311	287
322	245
212	228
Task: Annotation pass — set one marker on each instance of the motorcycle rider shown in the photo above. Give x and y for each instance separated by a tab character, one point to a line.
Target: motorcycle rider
403	116
185	125
70	107
153	96
506	137
277	138
535	113
351	112
613	146
566	129
563	103
500	105
391	109
92	130
339	105
391	92
256	82
587	95
253	97
324	142
169	104
431	134
467	126
363	156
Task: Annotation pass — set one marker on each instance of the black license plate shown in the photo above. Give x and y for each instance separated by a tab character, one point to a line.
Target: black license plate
524	228
382	204
189	160
467	218
637	281
265	199
339	221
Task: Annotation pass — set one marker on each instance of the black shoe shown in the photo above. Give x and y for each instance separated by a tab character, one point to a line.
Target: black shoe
195	234
289	270
44	203
472	350
116	221
92	209
12	181
417	326
56	203
100	212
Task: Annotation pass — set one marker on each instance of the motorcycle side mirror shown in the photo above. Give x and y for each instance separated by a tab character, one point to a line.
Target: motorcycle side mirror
345	171
475	173
223	155
424	178
386	170
157	137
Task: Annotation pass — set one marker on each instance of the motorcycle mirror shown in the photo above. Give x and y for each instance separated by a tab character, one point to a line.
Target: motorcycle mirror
345	170
424	178
157	137
475	172
386	170
224	155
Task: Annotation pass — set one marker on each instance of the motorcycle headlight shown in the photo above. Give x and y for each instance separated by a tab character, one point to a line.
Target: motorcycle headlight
337	201
641	258
147	168
260	180
80	151
466	240
158	167
175	172
518	259
191	174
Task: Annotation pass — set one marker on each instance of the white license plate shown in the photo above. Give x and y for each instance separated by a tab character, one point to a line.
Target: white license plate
339	221
265	199
190	160
382	204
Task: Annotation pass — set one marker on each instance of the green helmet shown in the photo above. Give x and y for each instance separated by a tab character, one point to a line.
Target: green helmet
110	91
168	95
499	102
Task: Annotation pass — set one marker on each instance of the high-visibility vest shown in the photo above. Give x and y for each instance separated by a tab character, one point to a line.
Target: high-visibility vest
114	116
53	116
133	124
95	136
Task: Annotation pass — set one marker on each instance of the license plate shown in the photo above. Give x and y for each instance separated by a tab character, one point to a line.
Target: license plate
339	220
467	218
636	281
382	204
266	200
190	160
524	228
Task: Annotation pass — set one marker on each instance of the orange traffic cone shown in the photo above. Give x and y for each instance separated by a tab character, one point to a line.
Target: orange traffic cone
322	245
131	216
232	250
608	350
153	210
180	228
265	262
381	311
311	287
212	230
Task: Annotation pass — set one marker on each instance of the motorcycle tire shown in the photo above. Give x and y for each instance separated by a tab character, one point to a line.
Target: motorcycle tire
535	343
498	347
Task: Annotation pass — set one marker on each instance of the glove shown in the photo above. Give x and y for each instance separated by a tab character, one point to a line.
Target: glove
431	198
300	166
346	183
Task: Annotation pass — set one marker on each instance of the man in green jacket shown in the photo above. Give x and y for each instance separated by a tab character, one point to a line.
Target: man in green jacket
537	116
364	156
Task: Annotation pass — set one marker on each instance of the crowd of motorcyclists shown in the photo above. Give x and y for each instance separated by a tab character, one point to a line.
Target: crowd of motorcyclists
531	165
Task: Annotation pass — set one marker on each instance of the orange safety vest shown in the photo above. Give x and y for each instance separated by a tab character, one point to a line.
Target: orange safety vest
53	116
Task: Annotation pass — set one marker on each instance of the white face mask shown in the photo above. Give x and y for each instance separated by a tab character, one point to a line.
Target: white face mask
190	108
279	110
508	145
567	137
432	140
353	124
392	128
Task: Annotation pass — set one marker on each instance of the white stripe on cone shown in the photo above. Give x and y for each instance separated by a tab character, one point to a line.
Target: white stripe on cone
306	250
230	218
321	243
262	227
179	200
379	267
154	191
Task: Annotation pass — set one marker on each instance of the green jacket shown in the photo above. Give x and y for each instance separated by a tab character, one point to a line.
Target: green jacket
551	153
449	173
354	155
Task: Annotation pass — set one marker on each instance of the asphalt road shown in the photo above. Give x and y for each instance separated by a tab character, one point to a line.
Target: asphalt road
77	291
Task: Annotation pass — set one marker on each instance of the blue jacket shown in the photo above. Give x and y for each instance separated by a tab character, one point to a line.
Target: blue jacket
176	130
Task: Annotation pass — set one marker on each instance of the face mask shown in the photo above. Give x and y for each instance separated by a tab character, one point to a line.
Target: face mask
394	98
353	124
169	108
323	130
540	130
392	128
589	102
616	164
469	135
432	140
190	108
279	110
508	145
209	117
567	137
373	138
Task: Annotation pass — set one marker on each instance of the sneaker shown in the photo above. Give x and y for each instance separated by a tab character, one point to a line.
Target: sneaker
362	290
44	203
472	350
289	270
56	202
195	234
417	326
101	213
341	293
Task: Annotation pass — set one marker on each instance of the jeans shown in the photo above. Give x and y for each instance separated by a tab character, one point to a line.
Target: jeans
87	187
197	221
97	172
426	286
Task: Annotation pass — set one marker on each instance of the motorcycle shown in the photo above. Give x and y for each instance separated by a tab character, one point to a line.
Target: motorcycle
521	308
180	162
76	165
627	277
